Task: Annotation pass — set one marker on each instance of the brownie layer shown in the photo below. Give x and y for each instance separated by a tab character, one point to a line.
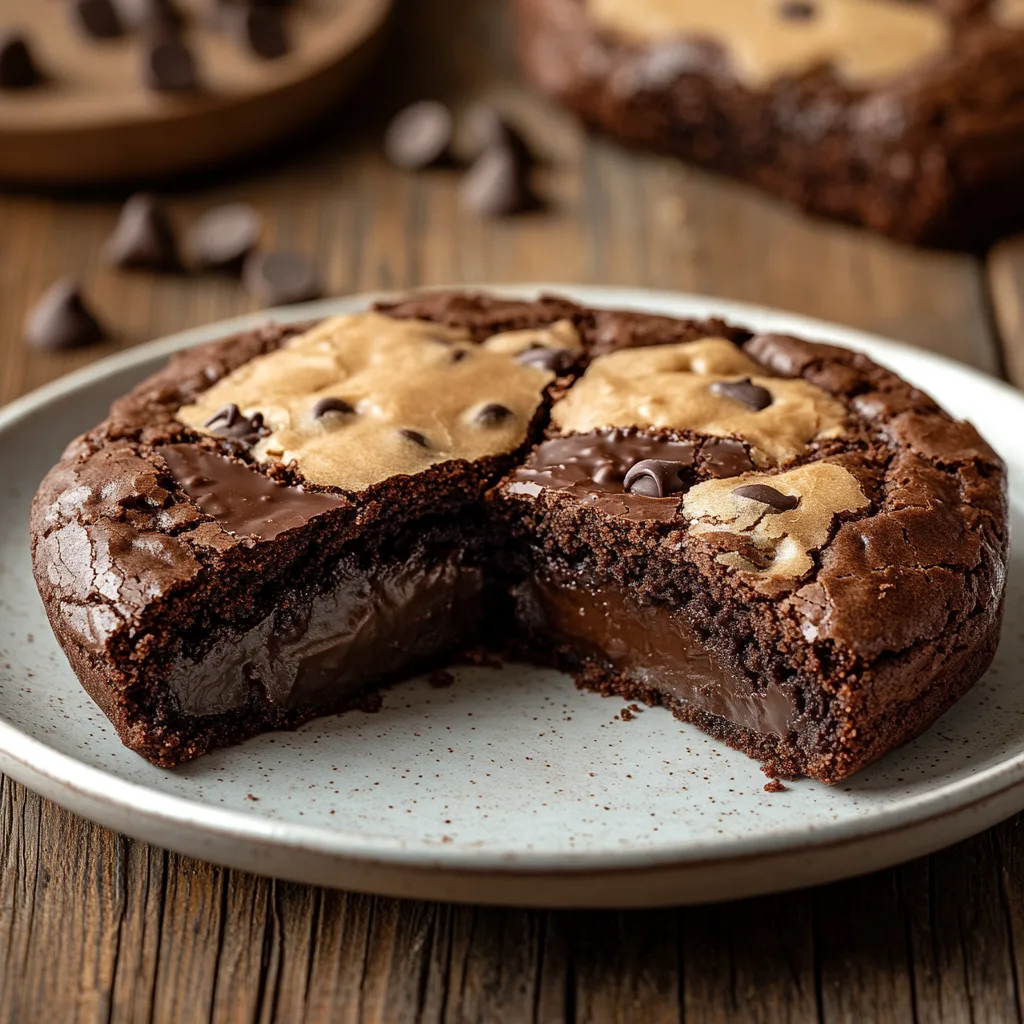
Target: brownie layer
165	556
898	604
203	596
932	155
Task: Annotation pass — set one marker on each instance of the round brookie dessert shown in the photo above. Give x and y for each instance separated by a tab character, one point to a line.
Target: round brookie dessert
905	117
779	541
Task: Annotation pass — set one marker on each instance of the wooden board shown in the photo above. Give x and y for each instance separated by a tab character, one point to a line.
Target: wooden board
98	928
93	119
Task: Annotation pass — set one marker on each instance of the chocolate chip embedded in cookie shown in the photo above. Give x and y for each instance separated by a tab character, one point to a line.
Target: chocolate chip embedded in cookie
426	413
655	478
765	494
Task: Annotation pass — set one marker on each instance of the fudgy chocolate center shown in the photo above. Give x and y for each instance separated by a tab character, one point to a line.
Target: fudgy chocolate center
656	648
366	626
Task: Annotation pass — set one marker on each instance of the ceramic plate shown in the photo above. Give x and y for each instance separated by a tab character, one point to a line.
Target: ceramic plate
510	786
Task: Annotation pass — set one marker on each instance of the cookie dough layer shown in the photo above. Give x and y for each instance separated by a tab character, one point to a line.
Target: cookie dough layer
362	398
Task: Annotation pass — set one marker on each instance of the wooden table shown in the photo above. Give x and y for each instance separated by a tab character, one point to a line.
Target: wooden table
96	927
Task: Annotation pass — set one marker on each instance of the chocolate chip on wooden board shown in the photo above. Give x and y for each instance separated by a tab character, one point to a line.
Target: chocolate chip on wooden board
258	28
486	126
498	184
144	236
281	278
168	65
222	237
62	320
18	67
420	136
98	19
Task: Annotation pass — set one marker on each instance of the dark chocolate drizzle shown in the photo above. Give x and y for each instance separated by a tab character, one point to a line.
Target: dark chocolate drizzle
241	499
594	465
723	457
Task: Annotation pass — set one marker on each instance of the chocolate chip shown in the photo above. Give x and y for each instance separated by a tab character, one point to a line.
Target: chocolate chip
458	355
487	127
260	28
797	10
415	436
492	414
744	391
724	457
654	478
555	360
280	278
222	237
419	136
775	500
98	18
168	65
331	404
498	185
229	422
61	319
18	69
151	14
144	236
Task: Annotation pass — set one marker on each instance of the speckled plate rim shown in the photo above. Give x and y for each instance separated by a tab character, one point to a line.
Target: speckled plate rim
707	870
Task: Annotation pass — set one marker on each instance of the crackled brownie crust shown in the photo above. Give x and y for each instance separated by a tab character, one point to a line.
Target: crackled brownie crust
923	141
843	653
817	544
145	575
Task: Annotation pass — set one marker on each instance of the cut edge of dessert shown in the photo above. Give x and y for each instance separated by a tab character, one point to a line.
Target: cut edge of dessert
276	526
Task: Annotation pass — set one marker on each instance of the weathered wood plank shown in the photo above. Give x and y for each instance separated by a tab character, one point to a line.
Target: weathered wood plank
752	961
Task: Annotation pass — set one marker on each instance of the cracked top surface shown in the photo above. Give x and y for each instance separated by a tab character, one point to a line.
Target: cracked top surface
910	540
709	386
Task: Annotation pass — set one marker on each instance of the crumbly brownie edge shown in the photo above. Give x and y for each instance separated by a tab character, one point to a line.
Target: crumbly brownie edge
173	551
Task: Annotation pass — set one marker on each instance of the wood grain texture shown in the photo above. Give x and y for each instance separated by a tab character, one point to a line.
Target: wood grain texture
95	927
